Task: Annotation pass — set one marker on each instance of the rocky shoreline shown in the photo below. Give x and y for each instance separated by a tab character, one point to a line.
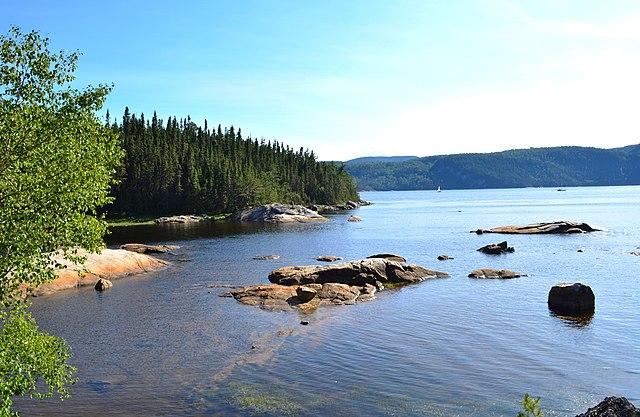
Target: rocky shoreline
109	264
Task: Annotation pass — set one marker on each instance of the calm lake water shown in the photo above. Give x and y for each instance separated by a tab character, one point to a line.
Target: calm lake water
166	344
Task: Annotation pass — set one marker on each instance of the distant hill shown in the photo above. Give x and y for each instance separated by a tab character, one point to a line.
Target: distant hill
371	159
563	166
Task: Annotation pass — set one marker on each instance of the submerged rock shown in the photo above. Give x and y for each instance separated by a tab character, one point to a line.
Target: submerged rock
142	248
266	257
489	273
496	248
188	218
571	299
279	213
560	227
612	407
388	256
328	258
354	219
103	284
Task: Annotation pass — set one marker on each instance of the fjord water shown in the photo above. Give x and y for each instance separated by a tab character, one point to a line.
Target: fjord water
166	344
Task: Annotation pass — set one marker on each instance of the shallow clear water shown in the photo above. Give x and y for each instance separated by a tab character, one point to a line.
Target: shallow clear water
166	344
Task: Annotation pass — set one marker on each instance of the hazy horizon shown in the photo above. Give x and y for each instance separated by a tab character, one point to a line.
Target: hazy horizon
365	78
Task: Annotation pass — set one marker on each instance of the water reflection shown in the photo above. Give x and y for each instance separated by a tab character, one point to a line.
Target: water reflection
574	321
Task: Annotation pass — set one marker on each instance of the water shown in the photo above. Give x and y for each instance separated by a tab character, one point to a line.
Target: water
165	344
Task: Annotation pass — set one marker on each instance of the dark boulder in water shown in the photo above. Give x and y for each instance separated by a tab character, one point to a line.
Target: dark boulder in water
496	248
571	299
612	407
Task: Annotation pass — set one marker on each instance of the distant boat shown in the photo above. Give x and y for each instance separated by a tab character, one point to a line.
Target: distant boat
438	190
561	189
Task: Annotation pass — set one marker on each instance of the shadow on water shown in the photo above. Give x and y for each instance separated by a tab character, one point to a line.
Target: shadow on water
145	233
573	321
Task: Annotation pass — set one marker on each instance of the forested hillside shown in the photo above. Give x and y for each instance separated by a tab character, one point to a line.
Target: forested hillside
180	167
535	167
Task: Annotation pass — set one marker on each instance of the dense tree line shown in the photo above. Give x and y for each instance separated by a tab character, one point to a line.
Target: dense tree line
179	167
536	167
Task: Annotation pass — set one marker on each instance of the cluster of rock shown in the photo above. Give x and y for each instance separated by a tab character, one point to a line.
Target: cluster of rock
307	287
560	227
612	407
184	218
279	213
496	248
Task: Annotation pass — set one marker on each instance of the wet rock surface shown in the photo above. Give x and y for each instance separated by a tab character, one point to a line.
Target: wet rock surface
279	213
612	407
103	285
354	219
560	227
266	257
388	256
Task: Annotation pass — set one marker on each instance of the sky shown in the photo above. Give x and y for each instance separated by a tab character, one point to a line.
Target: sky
364	77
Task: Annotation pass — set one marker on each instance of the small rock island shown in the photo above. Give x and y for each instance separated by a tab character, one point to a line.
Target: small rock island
307	287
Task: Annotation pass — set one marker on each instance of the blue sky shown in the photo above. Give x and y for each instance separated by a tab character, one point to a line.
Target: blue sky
365	77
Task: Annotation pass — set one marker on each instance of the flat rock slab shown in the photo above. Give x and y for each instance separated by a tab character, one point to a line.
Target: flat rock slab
489	273
142	248
279	213
560	227
612	407
108	264
266	257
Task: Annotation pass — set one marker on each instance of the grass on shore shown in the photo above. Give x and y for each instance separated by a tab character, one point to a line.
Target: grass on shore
137	221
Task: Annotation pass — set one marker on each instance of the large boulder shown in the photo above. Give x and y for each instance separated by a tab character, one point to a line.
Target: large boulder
612	407
571	299
496	248
142	248
560	227
305	294
489	273
279	213
359	273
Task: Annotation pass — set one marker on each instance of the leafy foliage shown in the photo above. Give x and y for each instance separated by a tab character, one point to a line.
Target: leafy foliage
57	161
536	167
530	407
179	167
28	355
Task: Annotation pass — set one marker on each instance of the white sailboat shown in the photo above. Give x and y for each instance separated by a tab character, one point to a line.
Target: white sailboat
438	190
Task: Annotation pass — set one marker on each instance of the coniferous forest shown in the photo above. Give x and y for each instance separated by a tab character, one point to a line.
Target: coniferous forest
179	167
